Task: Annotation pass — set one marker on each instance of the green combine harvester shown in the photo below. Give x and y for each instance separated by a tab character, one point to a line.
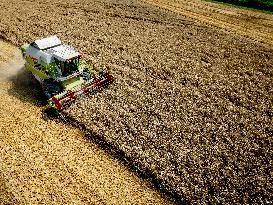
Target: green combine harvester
61	72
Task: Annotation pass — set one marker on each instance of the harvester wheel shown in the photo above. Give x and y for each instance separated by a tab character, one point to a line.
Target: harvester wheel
86	75
51	88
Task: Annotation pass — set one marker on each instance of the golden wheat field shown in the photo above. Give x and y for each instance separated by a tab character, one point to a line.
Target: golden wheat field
191	106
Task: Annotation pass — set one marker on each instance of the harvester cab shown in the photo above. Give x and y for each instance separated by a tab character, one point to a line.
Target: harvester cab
63	75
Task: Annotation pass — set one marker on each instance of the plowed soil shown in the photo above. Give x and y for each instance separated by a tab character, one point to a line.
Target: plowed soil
191	105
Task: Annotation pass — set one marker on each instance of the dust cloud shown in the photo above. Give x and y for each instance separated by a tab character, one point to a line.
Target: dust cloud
11	61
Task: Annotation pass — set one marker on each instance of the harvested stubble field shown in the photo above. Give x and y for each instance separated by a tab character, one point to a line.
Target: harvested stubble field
191	106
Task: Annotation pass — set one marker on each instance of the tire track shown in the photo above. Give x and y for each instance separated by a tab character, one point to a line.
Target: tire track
217	20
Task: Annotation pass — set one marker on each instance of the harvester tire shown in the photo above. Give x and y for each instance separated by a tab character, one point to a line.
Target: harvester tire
86	75
51	88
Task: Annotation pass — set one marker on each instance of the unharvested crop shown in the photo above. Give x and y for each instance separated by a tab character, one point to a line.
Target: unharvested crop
191	105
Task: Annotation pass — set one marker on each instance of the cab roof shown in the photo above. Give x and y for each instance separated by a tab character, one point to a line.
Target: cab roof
52	47
63	52
46	43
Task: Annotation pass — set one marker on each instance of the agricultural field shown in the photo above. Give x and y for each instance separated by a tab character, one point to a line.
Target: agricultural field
192	103
45	161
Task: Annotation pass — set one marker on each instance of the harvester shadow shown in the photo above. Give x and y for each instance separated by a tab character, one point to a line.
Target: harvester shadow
26	88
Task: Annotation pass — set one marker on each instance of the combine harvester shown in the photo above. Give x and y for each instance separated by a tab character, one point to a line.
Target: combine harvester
62	74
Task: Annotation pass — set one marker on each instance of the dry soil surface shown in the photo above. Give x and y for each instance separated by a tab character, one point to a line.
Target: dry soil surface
44	161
